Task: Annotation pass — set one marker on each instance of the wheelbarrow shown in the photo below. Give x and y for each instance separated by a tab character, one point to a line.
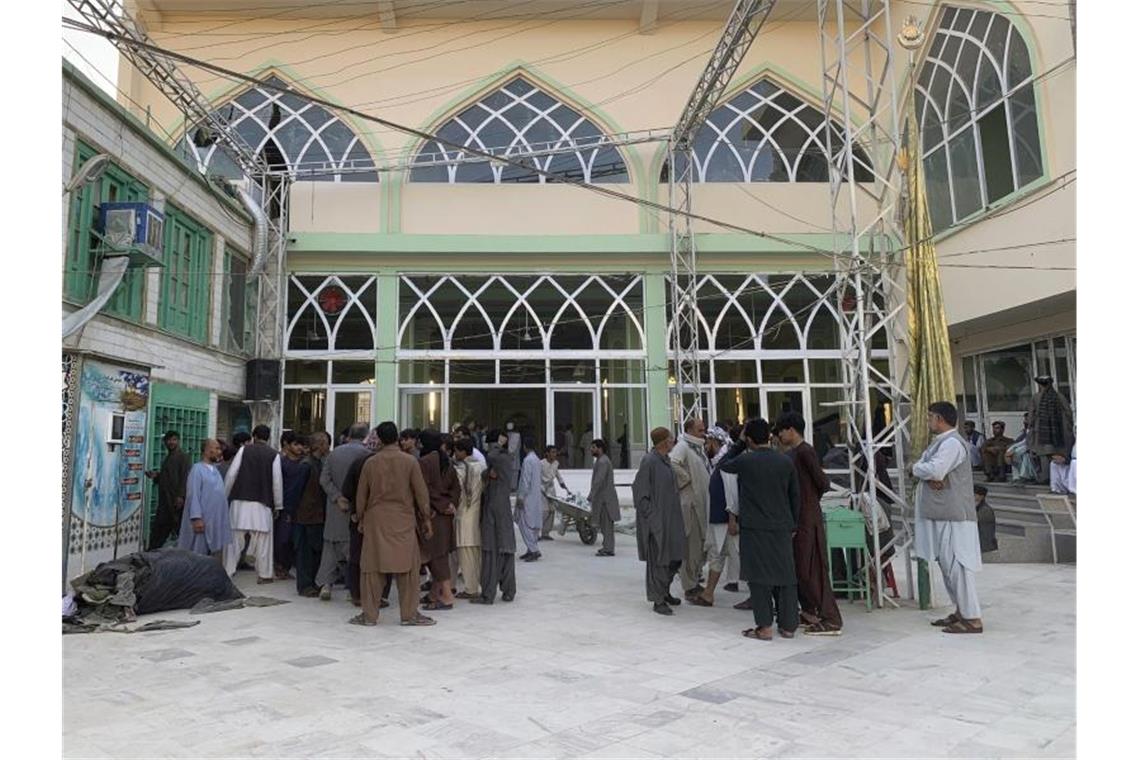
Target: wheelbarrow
575	511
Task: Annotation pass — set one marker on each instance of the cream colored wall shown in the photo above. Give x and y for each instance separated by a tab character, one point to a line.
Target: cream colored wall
335	207
625	80
976	284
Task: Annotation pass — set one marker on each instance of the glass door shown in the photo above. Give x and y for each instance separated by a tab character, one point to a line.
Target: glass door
421	409
572	417
348	407
782	400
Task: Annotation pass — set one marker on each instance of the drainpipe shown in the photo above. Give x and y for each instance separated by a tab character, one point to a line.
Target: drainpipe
260	232
110	275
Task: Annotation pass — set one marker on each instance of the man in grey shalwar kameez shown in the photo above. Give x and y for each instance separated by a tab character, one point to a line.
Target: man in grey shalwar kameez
206	517
497	531
531	502
660	526
945	519
338	523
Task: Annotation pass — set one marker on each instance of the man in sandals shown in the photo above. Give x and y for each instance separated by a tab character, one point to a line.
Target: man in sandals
945	520
769	513
818	609
391	503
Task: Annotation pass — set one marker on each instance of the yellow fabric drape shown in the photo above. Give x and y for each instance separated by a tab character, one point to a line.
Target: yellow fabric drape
932	377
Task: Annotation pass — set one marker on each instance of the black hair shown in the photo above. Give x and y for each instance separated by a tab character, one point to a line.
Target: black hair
388	433
241	438
408	433
229	452
735	432
600	443
549	448
757	430
980	490
528	442
493	435
793	420
465	444
946	411
969	422
261	432
170	434
288	437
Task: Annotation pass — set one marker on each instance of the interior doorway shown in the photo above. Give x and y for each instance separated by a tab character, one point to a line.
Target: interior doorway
573	413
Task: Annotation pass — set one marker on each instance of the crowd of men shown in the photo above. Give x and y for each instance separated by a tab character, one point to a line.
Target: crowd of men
381	508
387	508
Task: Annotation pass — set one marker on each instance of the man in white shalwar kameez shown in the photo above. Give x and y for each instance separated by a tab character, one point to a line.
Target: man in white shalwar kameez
256	491
945	518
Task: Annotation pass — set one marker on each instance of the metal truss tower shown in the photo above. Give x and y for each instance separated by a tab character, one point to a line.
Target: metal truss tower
859	95
270	185
740	31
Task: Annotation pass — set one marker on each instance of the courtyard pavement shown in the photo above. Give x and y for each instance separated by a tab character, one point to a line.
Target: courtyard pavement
578	665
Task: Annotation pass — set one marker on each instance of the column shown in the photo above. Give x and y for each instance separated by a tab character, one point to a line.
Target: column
387	327
657	350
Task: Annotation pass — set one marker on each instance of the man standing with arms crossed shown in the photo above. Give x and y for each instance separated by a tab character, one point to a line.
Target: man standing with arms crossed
660	527
945	518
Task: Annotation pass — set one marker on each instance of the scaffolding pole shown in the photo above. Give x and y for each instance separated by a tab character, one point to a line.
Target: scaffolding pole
111	18
859	96
739	32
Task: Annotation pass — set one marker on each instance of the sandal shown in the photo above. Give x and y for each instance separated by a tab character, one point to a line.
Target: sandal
787	634
760	634
961	626
700	601
822	629
745	605
360	620
950	619
418	620
437	606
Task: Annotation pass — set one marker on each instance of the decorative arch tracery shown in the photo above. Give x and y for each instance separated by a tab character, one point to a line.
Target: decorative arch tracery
521	117
289	132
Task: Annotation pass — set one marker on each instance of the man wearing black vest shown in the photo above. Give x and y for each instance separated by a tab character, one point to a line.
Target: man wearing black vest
256	491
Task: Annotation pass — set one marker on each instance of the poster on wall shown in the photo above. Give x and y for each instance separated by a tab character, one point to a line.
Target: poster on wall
107	465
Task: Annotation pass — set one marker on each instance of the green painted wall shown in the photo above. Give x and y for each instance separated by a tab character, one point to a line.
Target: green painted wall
656	347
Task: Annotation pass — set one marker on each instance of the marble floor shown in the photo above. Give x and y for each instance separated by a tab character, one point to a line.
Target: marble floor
578	666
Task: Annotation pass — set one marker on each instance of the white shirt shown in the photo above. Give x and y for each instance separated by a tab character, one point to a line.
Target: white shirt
477	455
278	483
731	492
944	540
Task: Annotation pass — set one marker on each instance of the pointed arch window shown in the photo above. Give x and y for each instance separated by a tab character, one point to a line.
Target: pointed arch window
518	118
976	108
766	134
288	132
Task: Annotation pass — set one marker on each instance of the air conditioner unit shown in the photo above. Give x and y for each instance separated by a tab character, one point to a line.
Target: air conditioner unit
134	230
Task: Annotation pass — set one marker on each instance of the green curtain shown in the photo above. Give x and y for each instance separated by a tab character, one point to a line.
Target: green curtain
932	377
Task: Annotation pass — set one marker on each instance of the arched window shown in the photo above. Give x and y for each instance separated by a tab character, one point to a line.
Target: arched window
516	118
766	134
288	132
331	313
978	115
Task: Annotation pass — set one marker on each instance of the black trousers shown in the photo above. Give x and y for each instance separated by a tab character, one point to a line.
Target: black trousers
167	520
282	542
355	546
786	600
497	570
308	541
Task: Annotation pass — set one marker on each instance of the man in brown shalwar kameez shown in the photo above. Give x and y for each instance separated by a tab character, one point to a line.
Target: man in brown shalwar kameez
443	495
391	502
818	609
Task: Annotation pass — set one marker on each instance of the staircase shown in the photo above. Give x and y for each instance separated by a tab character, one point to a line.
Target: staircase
1022	532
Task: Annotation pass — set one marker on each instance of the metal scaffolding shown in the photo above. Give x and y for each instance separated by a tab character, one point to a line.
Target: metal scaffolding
858	98
859	95
739	32
267	183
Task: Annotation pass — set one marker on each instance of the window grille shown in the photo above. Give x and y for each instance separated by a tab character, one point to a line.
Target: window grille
977	111
520	117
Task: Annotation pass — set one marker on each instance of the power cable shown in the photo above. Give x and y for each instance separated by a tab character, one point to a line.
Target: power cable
551	176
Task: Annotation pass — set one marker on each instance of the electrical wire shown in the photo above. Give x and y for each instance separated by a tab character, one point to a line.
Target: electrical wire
551	176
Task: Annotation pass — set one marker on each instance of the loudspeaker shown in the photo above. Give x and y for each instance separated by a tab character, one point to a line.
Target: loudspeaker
262	380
